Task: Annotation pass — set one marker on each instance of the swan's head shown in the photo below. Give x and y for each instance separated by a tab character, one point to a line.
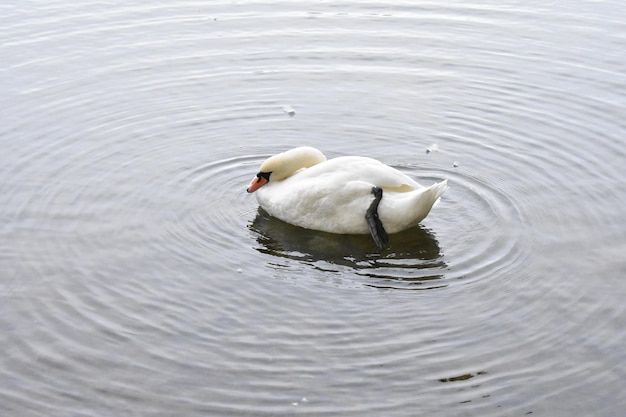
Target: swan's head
284	165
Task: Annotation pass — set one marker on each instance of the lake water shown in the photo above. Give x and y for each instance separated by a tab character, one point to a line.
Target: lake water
138	278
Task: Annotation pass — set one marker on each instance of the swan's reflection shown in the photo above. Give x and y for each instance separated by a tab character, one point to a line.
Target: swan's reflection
413	259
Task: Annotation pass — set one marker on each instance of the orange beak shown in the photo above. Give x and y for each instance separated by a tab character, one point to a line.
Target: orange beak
258	182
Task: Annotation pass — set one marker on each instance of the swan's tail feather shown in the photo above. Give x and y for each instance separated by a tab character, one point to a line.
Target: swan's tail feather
408	209
427	200
437	190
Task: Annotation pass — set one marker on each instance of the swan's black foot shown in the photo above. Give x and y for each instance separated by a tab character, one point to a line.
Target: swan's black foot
373	222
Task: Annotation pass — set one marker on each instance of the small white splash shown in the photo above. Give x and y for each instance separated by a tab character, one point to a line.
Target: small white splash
455	164
239	270
289	110
303	400
432	148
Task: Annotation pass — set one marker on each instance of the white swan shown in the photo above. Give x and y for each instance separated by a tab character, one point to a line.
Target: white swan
347	195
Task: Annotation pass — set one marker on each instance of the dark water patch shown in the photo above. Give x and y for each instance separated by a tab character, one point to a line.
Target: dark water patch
463	377
411	262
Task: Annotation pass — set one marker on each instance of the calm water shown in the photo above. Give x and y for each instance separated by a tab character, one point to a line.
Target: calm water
138	278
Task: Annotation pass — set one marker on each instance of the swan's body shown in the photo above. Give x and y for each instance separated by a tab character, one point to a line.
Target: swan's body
301	187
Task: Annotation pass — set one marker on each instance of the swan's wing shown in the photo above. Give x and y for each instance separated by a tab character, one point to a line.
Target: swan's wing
356	168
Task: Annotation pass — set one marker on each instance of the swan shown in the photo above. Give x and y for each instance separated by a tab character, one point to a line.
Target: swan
346	195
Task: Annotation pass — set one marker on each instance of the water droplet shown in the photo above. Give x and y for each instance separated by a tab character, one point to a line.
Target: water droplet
289	110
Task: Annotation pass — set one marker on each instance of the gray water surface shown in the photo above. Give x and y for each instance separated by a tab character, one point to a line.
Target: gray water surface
138	278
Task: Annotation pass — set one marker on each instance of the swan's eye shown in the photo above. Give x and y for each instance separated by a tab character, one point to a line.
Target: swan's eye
264	175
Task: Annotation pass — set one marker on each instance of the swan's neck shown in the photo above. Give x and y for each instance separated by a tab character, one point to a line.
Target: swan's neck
288	163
